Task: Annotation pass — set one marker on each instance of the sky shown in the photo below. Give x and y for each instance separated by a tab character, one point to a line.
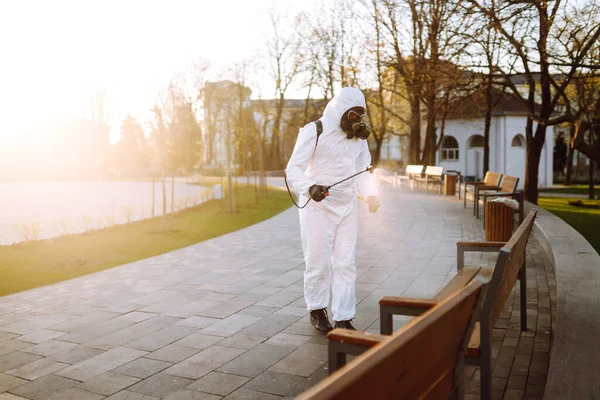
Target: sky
57	54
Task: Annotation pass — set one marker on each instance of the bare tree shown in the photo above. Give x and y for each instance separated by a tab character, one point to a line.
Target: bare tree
410	68
285	61
539	44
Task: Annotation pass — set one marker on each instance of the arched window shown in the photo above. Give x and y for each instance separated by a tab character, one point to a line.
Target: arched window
518	141
449	149
476	141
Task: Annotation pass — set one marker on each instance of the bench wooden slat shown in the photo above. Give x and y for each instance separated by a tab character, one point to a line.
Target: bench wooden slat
459	281
414	169
509	184
474	347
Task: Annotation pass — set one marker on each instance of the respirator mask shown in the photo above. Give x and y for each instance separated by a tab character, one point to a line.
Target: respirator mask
352	124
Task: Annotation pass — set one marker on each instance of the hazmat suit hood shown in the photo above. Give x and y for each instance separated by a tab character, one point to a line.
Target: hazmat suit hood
347	98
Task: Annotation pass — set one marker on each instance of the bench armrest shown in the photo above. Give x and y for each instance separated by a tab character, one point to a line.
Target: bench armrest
482	246
499	194
355	338
407	302
488	187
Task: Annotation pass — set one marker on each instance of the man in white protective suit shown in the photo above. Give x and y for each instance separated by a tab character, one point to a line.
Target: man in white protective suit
329	223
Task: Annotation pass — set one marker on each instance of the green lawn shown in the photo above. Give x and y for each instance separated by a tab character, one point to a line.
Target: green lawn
573	189
28	265
585	220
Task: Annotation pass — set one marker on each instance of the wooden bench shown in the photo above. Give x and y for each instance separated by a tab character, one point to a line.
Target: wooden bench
510	266
508	188
491	181
413	363
411	172
432	175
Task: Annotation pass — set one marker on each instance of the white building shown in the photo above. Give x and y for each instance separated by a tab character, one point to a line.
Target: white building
462	146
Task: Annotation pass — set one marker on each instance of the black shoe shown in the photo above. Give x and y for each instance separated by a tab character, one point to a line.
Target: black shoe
319	319
345	325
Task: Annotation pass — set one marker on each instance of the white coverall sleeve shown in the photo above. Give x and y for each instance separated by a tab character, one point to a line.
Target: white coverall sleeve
366	186
303	151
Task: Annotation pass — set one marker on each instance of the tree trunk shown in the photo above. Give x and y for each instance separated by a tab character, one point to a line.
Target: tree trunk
376	155
591	170
591	195
532	167
570	152
430	136
229	183
153	195
262	172
415	130
487	126
172	200
164	200
278	157
172	193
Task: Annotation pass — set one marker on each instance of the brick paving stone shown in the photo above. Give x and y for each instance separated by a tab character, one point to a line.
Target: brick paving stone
246	394
16	359
8	382
187	394
204	362
50	347
255	361
173	353
76	355
142	367
198	322
9	396
45	387
76	394
161	338
199	341
230	325
101	363
128	395
160	385
258	311
37	369
218	383
11	345
108	383
242	341
288	339
274	383
40	336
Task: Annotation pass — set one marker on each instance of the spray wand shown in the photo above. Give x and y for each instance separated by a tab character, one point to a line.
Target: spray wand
325	191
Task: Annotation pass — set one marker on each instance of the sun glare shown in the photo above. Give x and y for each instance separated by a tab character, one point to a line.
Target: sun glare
61	53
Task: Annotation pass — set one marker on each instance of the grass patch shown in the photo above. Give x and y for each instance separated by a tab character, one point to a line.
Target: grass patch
573	189
33	264
584	220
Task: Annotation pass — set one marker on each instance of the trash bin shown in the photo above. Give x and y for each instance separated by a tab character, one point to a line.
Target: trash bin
450	185
498	222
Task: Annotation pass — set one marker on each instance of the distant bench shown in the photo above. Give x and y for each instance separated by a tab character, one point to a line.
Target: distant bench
432	175
410	173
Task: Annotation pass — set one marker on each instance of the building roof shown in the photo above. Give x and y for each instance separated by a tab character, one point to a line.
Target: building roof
473	105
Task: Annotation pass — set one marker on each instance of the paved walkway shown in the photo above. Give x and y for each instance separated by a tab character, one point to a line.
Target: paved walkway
226	318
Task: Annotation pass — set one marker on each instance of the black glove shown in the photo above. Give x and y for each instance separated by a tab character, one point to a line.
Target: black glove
318	192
